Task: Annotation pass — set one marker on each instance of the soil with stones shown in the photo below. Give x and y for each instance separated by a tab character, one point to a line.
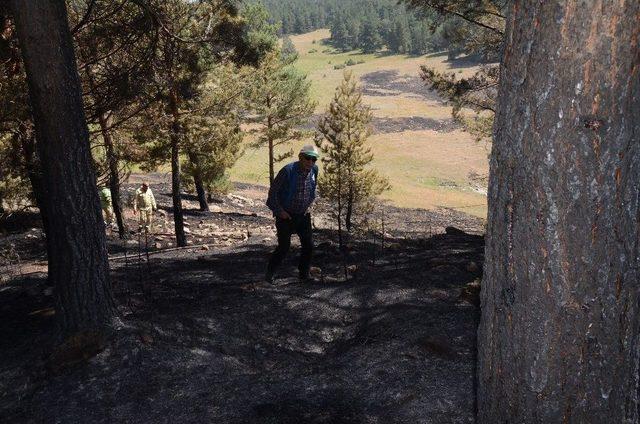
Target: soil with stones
386	333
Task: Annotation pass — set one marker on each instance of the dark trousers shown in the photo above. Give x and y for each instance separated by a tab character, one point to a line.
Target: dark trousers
300	225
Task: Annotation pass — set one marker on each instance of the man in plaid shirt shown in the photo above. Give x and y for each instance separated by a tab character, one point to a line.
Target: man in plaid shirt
290	196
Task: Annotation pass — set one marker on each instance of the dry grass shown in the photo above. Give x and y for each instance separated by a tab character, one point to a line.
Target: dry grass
431	169
427	168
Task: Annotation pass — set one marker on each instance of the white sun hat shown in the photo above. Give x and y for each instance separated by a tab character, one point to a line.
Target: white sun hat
309	150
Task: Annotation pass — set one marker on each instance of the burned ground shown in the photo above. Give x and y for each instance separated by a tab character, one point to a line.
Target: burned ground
202	339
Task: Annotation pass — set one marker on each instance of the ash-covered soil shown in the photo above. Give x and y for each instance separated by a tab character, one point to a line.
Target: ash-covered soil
202	339
391	83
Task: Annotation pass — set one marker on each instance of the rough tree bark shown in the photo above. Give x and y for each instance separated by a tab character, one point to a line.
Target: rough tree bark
78	264
558	338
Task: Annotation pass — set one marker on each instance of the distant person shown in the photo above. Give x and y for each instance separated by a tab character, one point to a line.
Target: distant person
290	196
107	206
145	204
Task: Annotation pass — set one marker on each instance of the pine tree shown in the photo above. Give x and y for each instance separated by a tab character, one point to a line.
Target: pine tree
19	164
342	132
471	27
261	34
289	51
403	36
353	33
114	50
370	39
339	34
194	36
213	136
280	99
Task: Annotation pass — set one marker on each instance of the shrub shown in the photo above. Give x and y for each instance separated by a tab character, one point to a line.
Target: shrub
221	185
339	66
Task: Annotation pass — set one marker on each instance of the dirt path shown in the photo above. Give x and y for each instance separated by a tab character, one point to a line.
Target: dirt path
203	340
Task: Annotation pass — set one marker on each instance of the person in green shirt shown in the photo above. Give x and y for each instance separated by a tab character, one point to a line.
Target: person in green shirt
107	206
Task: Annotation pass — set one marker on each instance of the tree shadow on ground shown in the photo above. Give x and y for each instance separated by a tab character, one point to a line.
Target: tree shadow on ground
204	341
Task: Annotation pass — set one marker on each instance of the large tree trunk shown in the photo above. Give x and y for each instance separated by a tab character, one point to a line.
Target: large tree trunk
197	181
558	338
78	264
178	219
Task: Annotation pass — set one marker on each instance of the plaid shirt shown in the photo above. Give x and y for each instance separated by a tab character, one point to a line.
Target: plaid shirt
301	199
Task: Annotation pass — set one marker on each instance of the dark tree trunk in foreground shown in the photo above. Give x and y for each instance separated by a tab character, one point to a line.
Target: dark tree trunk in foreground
78	264
178	220
197	181
558	338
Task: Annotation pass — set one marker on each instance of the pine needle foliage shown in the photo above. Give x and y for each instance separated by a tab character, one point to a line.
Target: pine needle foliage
281	103
213	136
347	181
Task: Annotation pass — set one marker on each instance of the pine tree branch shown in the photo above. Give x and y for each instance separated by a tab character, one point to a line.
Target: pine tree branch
473	21
444	10
85	18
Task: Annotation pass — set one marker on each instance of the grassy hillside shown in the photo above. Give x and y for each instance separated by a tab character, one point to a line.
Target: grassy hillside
429	161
